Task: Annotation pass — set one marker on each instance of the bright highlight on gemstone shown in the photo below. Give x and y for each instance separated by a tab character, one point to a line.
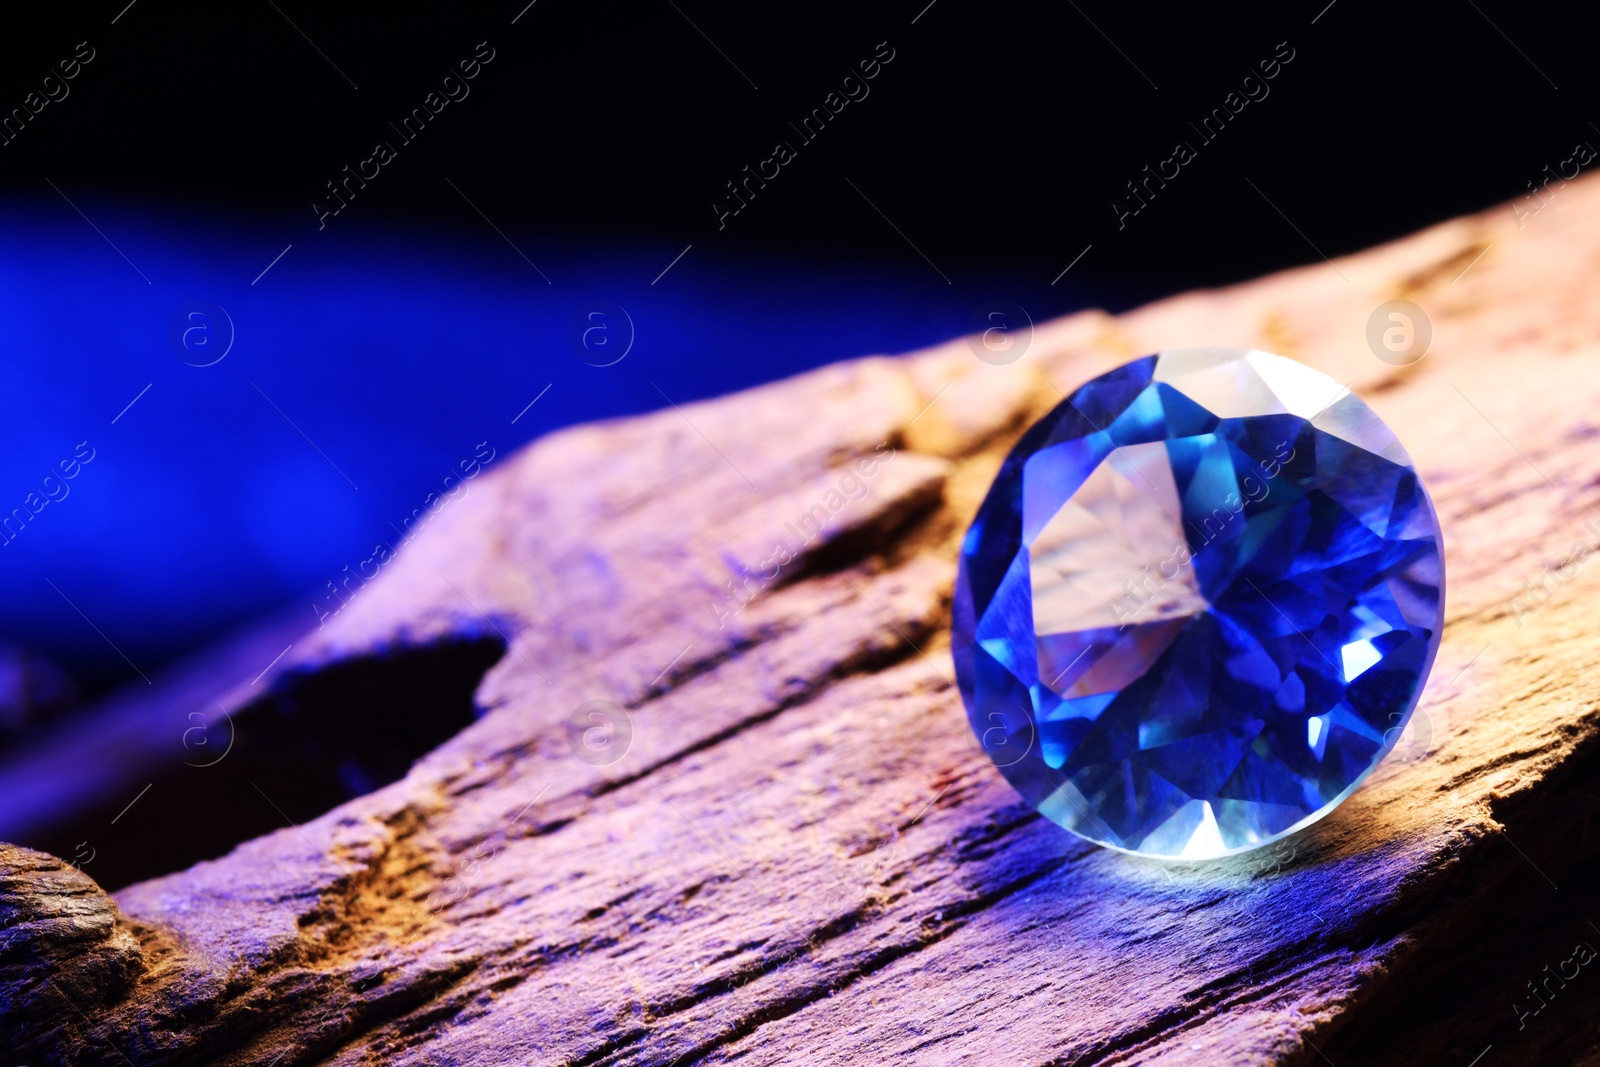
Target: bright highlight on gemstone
1198	603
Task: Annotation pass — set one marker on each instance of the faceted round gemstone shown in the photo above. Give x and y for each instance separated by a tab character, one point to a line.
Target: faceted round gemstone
1198	604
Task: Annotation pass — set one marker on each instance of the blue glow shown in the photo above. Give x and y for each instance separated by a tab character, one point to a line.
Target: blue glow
395	351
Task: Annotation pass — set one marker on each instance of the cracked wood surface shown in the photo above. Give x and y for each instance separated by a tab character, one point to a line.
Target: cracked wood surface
801	856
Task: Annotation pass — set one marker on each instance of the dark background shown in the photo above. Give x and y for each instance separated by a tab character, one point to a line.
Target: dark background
998	135
984	161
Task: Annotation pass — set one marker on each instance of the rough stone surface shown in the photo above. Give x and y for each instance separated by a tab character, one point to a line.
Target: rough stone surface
803	857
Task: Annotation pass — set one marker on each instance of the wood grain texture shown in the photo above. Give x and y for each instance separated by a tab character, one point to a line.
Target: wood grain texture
802	856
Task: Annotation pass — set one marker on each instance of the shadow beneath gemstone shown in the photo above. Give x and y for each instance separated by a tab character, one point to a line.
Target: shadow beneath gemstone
1139	950
1512	956
1426	933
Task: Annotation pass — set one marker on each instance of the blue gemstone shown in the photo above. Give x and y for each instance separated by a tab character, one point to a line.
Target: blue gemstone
1198	604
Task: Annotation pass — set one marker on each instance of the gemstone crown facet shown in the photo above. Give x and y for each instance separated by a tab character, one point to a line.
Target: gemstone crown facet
1198	604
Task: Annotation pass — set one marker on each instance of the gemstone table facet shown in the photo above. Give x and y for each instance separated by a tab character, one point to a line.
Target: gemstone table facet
1198	604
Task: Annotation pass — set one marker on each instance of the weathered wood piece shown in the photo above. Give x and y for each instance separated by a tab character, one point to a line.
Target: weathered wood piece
800	855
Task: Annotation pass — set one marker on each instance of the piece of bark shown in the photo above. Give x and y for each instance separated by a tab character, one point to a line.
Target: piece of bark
61	946
779	842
